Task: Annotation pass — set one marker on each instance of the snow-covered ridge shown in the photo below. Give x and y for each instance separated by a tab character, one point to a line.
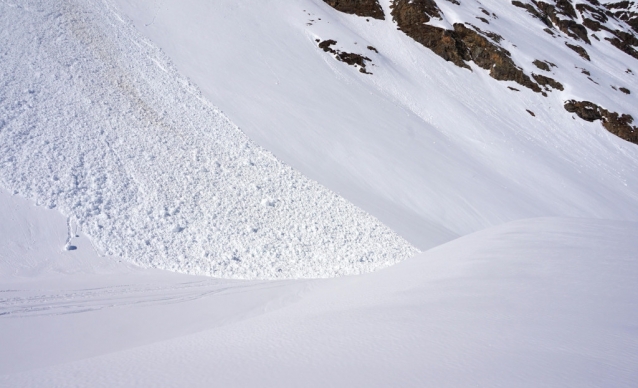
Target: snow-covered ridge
94	120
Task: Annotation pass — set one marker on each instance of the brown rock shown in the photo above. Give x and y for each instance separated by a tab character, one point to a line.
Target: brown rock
491	57
352	59
541	65
411	17
624	90
586	110
568	26
547	81
366	8
623	11
459	45
534	12
619	125
579	50
624	41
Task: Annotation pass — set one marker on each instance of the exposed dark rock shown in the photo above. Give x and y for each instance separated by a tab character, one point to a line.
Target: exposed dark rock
352	59
568	26
366	8
459	45
597	14
530	112
624	41
586	110
619	125
326	45
483	20
534	12
492	35
514	89
579	50
371	48
624	90
594	25
566	8
411	17
541	65
622	11
547	81
491	57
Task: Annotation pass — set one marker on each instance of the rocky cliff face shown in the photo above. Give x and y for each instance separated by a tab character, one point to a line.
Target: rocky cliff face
462	43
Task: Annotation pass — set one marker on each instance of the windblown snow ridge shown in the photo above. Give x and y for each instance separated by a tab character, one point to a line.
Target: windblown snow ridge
95	121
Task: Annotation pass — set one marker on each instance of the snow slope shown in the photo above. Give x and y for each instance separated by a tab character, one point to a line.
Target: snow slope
538	302
58	306
96	122
433	150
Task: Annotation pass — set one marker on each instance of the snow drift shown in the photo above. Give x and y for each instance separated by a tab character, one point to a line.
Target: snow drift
539	302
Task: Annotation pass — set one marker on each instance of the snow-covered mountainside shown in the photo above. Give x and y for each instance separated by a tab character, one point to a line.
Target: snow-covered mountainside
434	148
95	121
498	135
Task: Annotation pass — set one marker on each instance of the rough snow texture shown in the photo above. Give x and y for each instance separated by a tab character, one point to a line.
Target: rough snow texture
96	122
432	150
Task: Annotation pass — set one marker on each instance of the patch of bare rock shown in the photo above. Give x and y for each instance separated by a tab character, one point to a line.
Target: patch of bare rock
352	59
579	50
618	124
458	46
465	43
366	8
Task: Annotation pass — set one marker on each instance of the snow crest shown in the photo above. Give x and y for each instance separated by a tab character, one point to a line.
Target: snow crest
95	121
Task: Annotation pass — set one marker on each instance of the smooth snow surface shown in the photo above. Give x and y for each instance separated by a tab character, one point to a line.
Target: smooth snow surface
96	122
539	302
432	150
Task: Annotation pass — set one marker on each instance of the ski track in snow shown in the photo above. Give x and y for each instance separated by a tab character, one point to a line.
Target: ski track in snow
95	121
42	302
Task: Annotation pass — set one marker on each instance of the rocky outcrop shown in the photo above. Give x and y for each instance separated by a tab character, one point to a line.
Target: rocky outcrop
366	8
561	16
625	42
579	50
547	82
622	11
619	125
352	59
411	17
541	65
458	46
